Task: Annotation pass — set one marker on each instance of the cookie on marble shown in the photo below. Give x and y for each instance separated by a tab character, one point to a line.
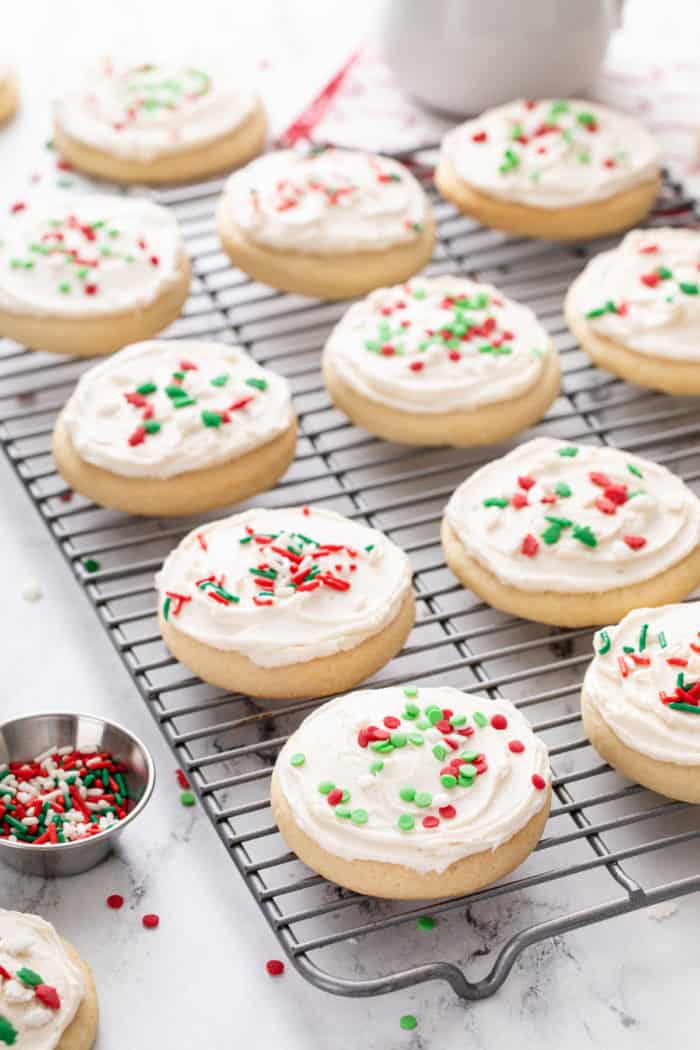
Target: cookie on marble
173	427
47	994
636	309
9	94
561	169
85	275
641	698
329	223
411	793
158	123
291	602
441	361
574	535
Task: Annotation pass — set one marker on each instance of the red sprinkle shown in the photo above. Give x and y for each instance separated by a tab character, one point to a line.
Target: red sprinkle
479	136
526	482
182	779
516	746
518	500
499	722
416	366
275	967
150	921
622	664
530	546
447	812
48	995
539	782
606	505
635	543
115	900
602	480
334	797
17	206
650	279
391	722
430	822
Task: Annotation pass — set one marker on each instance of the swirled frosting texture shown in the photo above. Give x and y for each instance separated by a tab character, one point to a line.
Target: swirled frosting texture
30	947
645	681
645	294
283	586
437	345
551	516
552	153
326	201
141	113
159	409
457	779
86	256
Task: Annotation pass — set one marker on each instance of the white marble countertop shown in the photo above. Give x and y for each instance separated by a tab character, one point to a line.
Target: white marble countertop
199	980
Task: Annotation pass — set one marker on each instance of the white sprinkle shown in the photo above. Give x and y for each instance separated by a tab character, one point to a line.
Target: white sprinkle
31	590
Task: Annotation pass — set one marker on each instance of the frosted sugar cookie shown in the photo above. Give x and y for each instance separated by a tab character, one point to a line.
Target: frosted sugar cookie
285	603
441	361
636	309
573	535
561	169
408	793
158	123
87	275
641	698
175	428
9	94
47	995
329	223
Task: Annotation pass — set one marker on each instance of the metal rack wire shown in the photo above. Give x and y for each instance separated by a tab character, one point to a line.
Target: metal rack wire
610	846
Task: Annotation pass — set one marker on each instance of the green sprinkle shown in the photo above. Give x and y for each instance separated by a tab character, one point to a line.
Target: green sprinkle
325	787
440	752
220	380
584	534
688	287
376	767
398	739
408	1022
664	273
91	565
147	388
8	1033
628	648
183	402
423	799
343	812
298	759
563	523
210	419
680	680
411	711
406	822
480	719
64	288
259	384
174	392
416	738
410	691
426	922
552	533
585	118
407	794
419	293
466	775
448	780
662	640
584	157
690	709
187	798
562	489
435	716
359	816
382	746
29	977
151	426
634	470
423	723
560	106
605	643
470	756
643	637
510	162
458	720
495	501
568	450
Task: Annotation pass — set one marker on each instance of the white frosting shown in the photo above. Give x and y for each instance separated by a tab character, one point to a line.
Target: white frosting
326	201
552	154
645	294
273	623
633	685
158	433
69	256
142	113
28	942
438	344
485	812
642	523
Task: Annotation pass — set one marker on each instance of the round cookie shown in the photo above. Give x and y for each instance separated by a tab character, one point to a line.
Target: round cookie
560	169
641	699
292	602
441	361
329	223
9	94
47	994
573	535
636	309
410	794
87	275
158	123
175	427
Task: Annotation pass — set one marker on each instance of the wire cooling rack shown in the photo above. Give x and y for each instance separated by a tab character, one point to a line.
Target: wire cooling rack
609	847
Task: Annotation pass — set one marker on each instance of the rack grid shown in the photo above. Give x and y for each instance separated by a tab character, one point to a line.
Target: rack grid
610	846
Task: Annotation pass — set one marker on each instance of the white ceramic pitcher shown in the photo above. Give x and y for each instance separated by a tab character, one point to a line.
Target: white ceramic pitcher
464	56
